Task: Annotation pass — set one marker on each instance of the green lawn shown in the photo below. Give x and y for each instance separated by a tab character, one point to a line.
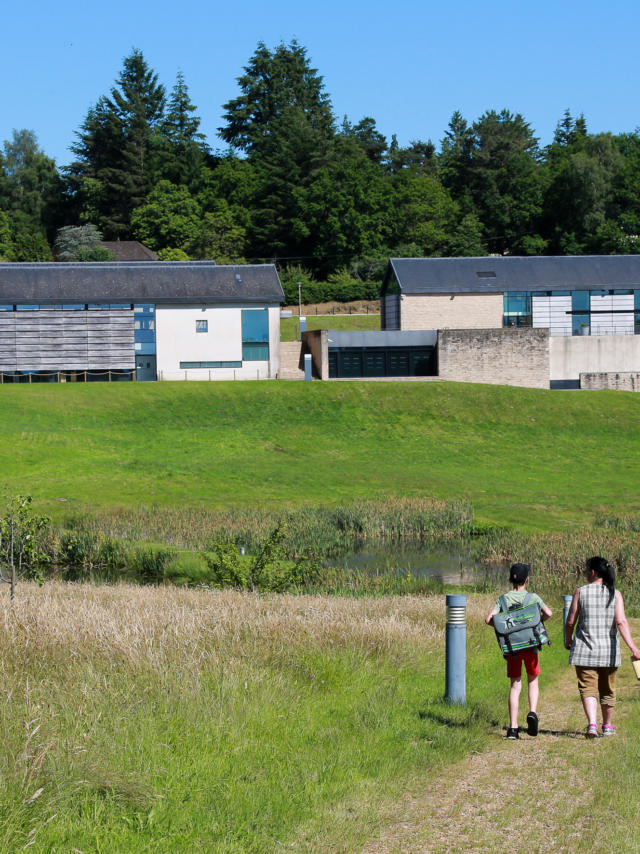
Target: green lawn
529	458
289	326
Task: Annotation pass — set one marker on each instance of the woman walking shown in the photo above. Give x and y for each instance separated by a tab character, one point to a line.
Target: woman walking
598	609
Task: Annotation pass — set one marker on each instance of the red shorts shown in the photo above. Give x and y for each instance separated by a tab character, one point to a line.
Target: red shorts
530	659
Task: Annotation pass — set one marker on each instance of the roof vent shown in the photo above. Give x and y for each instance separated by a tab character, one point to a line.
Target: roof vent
485	274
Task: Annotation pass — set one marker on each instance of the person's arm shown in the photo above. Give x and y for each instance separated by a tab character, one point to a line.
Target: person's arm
547	613
572	619
623	626
489	618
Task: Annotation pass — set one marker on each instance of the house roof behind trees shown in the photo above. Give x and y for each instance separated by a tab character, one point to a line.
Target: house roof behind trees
509	273
154	282
129	250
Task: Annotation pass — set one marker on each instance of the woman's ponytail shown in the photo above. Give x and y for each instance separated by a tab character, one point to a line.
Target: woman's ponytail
606	572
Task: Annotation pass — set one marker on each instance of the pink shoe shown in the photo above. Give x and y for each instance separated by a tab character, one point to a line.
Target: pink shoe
607	729
592	731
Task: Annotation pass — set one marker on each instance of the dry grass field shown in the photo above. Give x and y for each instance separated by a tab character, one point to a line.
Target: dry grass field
157	719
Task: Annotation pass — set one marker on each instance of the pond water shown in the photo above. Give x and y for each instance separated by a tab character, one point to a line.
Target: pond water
448	565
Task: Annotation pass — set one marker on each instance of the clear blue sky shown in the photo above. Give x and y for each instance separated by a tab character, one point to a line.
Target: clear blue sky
408	64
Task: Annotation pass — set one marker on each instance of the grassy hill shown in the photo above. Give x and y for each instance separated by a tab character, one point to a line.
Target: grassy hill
529	458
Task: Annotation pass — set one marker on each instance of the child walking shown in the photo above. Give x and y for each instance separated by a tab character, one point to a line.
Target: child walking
519	576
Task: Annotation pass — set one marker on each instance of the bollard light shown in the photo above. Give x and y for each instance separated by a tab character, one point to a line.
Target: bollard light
308	371
456	649
565	613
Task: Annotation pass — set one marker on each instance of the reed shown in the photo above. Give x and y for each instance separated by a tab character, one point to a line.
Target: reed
144	718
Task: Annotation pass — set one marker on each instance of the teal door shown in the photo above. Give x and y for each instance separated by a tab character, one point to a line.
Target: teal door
145	368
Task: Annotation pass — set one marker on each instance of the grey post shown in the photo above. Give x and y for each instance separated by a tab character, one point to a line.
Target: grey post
307	367
565	614
456	650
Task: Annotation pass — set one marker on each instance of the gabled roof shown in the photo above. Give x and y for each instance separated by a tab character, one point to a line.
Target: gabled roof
135	281
129	250
499	274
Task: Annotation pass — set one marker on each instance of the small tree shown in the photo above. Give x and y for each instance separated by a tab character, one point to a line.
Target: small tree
20	530
71	239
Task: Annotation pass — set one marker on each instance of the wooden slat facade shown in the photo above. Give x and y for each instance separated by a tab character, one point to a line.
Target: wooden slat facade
67	340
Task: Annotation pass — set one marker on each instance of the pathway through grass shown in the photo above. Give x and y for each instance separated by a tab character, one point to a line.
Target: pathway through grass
555	792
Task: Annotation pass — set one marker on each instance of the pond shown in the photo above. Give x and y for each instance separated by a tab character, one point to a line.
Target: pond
452	565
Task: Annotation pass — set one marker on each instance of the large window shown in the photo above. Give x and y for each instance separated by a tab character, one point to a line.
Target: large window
255	335
517	309
580	312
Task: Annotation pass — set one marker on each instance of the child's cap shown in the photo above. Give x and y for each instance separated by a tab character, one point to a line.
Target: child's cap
519	573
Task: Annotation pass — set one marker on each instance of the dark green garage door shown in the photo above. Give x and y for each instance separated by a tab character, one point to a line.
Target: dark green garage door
382	362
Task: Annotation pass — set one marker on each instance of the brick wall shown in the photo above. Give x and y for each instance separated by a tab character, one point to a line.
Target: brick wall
498	356
627	381
452	311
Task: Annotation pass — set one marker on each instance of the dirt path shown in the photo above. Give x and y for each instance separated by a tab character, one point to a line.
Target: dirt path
485	803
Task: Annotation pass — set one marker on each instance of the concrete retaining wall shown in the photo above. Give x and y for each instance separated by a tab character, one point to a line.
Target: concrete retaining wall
569	357
628	381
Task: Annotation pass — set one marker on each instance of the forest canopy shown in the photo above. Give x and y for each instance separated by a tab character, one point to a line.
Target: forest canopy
325	198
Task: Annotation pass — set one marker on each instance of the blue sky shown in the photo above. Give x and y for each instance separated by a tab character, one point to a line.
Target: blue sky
408	64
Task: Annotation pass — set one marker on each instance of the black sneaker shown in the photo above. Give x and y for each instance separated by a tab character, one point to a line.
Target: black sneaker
532	723
512	732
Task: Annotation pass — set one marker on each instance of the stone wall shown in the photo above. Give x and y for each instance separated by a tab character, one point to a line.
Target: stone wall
627	381
518	357
451	311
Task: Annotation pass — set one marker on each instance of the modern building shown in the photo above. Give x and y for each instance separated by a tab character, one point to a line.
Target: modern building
138	320
577	295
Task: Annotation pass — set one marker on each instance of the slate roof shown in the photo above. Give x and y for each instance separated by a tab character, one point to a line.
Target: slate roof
511	273
129	250
383	338
141	282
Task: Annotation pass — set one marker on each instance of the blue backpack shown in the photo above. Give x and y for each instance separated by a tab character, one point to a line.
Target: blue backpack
519	627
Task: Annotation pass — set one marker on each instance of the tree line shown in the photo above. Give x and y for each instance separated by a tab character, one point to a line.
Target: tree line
326	200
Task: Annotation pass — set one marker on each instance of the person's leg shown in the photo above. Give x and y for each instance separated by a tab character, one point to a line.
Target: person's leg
514	701
607	690
590	706
588	687
534	693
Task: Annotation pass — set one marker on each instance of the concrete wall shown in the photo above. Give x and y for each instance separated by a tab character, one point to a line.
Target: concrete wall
57	340
177	341
618	382
517	357
316	342
594	354
452	311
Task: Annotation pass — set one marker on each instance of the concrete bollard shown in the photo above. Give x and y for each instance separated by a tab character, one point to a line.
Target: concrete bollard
307	367
456	649
565	613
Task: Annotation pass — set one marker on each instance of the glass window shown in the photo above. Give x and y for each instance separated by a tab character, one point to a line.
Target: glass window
6	308
255	326
74	306
188	365
202	325
255	352
144	308
27	307
517	309
581	300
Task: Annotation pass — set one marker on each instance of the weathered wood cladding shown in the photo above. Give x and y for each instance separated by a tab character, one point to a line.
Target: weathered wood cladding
67	340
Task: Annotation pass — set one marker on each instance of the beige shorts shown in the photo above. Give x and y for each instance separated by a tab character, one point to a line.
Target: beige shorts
597	682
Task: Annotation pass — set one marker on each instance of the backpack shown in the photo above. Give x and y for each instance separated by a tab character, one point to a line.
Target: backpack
519	627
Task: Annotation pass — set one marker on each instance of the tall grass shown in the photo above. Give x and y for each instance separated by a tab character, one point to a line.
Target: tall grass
158	719
319	528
